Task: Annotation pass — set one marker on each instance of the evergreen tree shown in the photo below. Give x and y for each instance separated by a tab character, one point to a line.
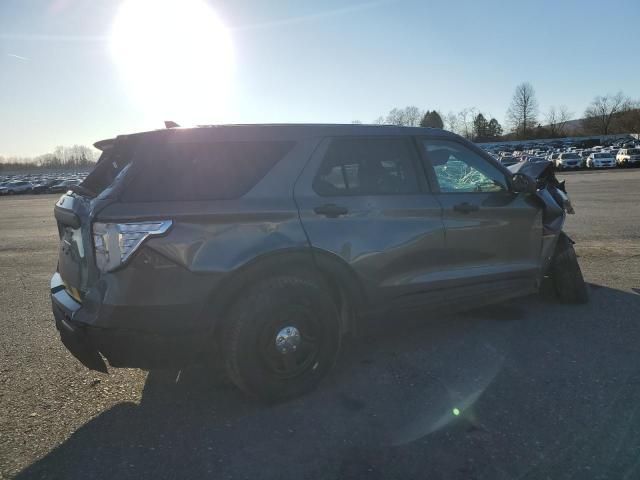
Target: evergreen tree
480	127
432	119
494	129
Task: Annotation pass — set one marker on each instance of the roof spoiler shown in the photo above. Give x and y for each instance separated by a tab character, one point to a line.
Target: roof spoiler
103	145
170	124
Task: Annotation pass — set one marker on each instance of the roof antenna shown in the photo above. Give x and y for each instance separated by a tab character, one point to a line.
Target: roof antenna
170	124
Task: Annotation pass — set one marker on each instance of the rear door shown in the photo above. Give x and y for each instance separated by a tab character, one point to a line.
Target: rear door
493	236
365	202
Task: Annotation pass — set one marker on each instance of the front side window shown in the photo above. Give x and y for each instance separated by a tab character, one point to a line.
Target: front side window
367	166
459	169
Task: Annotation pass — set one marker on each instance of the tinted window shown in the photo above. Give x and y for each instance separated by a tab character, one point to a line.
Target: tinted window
204	171
367	166
459	169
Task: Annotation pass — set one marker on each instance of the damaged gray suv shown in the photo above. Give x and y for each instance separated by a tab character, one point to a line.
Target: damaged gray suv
265	244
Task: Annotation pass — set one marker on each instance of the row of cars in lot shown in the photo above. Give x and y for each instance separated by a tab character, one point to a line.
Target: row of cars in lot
570	157
16	184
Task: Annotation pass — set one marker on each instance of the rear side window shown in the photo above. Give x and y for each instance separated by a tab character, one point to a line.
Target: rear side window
367	166
204	171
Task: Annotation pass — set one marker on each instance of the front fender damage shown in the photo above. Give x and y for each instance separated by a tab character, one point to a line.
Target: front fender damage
551	193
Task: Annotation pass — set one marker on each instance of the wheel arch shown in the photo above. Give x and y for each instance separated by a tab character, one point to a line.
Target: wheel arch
323	267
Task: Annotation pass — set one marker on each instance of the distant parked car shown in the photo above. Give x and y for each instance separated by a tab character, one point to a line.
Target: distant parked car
585	154
568	160
64	186
44	186
601	160
13	188
627	157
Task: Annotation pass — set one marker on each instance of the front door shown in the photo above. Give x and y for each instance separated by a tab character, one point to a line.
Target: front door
493	236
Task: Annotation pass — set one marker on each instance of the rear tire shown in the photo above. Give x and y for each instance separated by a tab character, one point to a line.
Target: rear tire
254	359
566	274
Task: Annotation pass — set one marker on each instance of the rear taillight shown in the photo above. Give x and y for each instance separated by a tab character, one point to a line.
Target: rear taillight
114	243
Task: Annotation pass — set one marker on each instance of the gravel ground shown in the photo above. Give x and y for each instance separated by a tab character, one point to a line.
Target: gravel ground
529	389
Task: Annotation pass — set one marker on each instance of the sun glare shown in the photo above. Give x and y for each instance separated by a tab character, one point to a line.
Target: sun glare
176	58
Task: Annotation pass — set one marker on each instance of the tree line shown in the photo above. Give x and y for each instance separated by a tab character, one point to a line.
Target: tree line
605	115
469	122
62	158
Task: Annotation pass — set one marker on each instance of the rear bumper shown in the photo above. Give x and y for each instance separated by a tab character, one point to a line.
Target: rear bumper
122	347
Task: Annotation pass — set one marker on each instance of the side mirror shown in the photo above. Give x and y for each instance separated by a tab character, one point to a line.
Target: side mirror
521	183
439	157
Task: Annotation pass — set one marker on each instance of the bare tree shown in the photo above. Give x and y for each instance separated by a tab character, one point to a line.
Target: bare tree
465	122
600	114
60	153
413	115
379	120
407	117
450	122
523	111
557	119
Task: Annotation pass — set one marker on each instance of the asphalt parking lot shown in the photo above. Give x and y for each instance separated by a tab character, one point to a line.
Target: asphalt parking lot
530	389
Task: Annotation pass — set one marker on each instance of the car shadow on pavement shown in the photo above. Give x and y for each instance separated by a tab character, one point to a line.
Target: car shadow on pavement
530	388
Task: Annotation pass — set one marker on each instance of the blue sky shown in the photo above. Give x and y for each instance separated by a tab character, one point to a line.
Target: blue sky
319	61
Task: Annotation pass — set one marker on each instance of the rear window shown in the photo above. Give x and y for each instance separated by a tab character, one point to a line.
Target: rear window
204	171
570	156
633	151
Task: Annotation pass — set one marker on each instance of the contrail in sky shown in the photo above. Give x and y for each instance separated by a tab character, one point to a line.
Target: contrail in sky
314	16
19	57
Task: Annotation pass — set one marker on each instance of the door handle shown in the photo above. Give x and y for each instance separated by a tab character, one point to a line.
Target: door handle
466	207
331	210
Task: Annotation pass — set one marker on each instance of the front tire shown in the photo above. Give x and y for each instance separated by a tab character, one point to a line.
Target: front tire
566	274
281	338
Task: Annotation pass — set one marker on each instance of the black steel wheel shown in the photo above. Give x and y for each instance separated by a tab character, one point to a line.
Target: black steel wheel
281	338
